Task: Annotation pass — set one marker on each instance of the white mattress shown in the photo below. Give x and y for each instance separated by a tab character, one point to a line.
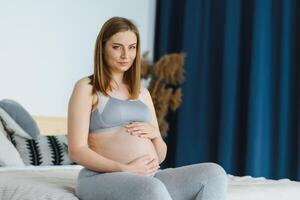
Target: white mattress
55	182
36	183
250	188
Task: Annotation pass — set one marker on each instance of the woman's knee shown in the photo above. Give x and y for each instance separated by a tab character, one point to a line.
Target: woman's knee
216	175
215	171
136	187
153	188
210	173
210	169
214	181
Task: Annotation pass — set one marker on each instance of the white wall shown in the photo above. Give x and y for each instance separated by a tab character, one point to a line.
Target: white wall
46	46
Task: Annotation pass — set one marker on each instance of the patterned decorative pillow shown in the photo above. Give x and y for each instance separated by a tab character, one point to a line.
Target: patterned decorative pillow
45	150
9	156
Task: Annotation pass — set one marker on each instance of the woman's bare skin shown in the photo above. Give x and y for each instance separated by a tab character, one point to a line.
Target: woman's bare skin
136	147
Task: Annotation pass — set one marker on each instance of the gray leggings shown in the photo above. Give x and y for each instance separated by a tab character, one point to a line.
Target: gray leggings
205	181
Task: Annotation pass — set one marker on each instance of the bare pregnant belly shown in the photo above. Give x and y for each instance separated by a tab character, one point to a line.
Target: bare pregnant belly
120	146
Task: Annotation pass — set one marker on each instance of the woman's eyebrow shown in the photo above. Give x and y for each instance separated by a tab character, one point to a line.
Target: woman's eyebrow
115	43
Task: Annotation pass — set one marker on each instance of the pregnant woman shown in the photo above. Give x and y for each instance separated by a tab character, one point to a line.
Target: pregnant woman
113	131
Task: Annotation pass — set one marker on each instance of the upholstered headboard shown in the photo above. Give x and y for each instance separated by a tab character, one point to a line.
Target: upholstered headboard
51	125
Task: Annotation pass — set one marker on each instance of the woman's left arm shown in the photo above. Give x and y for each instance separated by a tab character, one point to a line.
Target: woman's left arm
149	130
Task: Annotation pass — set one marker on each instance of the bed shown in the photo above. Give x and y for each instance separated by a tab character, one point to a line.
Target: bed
58	182
38	182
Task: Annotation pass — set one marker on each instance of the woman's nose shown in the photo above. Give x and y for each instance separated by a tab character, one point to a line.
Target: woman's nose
124	54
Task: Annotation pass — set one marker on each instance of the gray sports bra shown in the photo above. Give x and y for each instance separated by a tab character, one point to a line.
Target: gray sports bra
112	113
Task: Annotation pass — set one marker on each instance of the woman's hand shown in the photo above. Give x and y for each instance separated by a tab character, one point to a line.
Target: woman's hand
144	165
143	130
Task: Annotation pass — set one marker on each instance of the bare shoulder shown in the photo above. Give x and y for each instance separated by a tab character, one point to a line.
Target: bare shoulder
82	87
145	93
82	91
149	102
83	83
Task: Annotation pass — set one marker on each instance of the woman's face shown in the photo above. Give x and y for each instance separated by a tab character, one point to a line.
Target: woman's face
120	51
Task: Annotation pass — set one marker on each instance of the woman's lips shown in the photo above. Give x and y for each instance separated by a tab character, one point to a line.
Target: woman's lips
123	63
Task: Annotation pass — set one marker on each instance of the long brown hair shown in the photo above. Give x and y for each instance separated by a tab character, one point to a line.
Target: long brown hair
102	76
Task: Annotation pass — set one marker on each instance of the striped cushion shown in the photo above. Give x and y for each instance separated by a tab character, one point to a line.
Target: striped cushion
45	150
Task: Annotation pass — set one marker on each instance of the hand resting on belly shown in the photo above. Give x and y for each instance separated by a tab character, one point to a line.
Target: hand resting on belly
120	146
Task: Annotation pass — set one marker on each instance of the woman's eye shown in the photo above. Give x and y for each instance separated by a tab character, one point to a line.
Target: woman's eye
132	47
116	47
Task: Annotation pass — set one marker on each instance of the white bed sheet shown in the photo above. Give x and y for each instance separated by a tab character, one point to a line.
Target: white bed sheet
62	179
250	188
37	183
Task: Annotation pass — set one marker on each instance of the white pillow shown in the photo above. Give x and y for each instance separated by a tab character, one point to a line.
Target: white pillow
9	156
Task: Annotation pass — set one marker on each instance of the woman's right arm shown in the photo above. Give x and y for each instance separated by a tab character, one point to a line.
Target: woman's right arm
79	110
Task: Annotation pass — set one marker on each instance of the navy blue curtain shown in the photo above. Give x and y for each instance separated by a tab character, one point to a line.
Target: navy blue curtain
241	96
